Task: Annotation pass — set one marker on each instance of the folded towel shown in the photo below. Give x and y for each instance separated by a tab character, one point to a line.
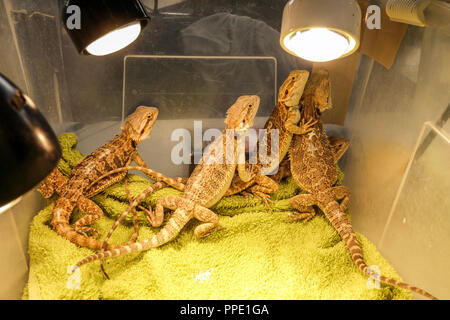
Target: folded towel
259	255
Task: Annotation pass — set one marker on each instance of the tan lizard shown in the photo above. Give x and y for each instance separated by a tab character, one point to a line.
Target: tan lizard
206	186
119	152
314	169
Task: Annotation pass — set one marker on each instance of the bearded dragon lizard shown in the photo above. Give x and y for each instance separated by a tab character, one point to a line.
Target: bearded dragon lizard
314	169
119	152
205	187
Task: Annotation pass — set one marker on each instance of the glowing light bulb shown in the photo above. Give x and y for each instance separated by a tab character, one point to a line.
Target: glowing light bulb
114	40
319	44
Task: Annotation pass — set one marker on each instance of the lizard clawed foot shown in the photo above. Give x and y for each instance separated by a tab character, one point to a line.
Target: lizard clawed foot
266	198
247	195
148	214
306	127
304	216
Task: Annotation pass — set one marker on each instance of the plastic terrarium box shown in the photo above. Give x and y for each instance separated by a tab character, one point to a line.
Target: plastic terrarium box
192	64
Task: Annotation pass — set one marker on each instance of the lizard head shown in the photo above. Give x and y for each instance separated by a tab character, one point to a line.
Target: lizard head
339	146
138	125
241	114
318	90
292	88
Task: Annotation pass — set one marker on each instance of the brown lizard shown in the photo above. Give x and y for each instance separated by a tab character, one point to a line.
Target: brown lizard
206	186
119	152
284	118
314	169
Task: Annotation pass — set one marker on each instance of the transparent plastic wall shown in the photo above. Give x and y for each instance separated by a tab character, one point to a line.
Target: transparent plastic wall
398	164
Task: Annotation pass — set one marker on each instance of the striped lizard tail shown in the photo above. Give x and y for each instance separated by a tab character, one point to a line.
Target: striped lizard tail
177	183
340	222
178	220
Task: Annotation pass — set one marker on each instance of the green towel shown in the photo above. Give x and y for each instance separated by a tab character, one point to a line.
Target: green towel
259	255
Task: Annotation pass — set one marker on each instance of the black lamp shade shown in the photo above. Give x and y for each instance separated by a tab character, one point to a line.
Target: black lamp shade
99	17
28	146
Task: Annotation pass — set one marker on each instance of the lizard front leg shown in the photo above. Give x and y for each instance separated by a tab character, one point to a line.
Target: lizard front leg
244	174
293	119
304	128
139	160
245	171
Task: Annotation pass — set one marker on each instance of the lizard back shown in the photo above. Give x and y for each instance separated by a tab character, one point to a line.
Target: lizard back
212	177
115	154
318	168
